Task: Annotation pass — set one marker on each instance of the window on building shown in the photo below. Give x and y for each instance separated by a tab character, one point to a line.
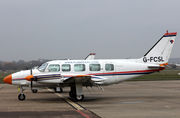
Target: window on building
94	67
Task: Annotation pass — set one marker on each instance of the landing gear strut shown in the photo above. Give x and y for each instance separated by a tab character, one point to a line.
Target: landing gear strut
58	90
21	95
72	93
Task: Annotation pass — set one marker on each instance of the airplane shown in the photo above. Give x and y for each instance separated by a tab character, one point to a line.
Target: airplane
77	74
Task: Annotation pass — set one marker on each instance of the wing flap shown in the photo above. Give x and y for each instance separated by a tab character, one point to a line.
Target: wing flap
86	80
78	79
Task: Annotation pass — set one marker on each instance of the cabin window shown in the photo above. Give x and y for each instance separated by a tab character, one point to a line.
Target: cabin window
79	67
66	67
54	68
109	67
94	67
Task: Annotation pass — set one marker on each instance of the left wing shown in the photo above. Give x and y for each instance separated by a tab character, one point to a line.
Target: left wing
52	78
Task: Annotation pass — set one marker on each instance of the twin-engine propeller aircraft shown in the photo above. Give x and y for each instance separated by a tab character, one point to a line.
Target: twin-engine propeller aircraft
90	72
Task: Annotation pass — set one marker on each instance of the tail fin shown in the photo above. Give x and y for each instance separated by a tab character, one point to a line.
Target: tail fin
160	52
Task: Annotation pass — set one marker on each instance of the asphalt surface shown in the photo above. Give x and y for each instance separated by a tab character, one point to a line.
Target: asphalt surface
144	99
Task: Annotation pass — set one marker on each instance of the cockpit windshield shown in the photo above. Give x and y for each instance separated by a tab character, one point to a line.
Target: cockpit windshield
42	67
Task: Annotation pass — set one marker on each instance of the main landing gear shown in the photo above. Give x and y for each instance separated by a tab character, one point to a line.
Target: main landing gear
34	90
73	94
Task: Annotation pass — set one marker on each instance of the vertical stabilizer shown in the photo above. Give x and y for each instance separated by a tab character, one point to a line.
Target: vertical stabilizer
160	52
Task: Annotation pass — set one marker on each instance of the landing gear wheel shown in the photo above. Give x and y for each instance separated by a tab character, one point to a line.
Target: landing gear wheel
79	97
34	91
21	97
71	94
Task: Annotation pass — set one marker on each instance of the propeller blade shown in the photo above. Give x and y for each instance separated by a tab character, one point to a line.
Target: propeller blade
31	83
31	79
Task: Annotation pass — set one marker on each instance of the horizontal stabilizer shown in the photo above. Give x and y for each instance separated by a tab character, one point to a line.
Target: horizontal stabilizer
156	67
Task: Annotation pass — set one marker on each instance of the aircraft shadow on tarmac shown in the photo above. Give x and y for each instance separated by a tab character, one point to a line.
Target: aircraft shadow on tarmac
101	97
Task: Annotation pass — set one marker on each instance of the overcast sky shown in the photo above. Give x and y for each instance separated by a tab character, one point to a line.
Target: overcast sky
60	29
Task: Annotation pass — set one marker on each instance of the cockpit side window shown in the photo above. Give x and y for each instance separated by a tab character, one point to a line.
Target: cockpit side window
42	67
54	68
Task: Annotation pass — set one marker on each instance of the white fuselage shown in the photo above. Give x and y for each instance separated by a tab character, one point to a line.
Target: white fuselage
111	71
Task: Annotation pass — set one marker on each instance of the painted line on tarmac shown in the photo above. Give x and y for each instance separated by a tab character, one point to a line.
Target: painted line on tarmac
70	102
2	87
83	114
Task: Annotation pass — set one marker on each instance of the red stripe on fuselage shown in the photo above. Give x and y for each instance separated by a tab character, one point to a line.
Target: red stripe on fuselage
127	72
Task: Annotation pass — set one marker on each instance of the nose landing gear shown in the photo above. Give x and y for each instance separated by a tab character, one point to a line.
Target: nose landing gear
21	95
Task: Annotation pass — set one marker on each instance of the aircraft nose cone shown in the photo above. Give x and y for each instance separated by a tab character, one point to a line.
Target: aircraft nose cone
8	79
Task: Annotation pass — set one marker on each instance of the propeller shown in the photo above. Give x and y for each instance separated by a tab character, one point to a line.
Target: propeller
30	78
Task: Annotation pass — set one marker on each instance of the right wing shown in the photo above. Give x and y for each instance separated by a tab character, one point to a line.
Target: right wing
91	56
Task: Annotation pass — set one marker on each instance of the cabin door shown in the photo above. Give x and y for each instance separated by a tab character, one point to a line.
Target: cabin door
118	73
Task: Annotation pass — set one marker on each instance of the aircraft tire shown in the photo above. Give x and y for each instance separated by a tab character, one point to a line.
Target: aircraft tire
79	97
34	91
21	97
71	94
